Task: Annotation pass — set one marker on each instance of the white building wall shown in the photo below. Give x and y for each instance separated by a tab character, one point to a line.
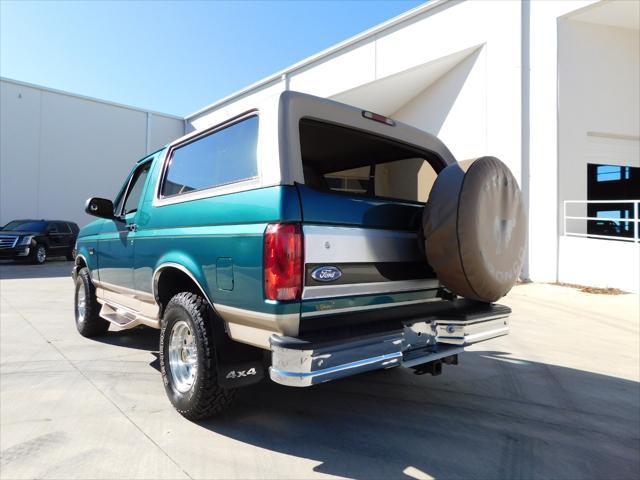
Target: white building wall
210	117
599	104
163	130
454	108
57	149
615	265
19	151
543	141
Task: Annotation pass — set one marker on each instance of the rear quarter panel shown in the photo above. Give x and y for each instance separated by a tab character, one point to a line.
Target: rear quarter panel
198	233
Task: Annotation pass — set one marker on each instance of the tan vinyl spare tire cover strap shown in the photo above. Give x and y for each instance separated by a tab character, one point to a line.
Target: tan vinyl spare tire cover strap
475	229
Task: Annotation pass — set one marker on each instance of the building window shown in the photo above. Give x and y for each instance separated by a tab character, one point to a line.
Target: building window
608	173
608	187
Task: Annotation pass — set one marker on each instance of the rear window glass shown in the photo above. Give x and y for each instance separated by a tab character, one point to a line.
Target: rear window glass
222	157
352	162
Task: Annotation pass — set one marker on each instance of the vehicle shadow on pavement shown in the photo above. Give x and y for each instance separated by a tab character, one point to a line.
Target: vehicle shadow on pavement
55	267
140	338
491	417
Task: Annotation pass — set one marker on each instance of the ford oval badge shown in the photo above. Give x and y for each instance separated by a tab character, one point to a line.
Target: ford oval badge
326	274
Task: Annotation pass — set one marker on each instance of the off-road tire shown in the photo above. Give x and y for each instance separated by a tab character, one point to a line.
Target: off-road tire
91	325
205	398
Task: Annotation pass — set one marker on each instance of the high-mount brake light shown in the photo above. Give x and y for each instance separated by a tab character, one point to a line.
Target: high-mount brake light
283	261
378	118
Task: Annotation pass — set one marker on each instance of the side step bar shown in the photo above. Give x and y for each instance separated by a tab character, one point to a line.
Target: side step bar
124	317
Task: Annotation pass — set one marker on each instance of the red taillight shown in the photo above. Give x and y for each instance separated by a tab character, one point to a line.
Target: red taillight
283	261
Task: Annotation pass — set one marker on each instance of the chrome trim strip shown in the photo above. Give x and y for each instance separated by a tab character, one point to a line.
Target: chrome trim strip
331	245
5	241
368	307
213	235
162	266
235	187
138	294
350	289
486	335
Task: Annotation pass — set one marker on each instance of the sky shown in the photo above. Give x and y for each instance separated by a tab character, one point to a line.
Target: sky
171	56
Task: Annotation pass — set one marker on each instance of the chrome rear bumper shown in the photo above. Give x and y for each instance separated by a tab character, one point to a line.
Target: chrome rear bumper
298	362
463	333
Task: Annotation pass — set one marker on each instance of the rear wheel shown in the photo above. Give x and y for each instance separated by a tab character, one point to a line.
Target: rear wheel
187	358
86	307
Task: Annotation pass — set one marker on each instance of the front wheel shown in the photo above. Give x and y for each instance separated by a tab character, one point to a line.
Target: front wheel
86	307
187	358
39	254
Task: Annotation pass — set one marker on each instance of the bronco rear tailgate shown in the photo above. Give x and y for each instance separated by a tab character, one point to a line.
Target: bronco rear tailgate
361	255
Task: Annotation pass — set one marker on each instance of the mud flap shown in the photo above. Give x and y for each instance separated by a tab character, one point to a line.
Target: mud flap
240	374
237	364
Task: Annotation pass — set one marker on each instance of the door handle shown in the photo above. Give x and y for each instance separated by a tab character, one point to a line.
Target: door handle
132	227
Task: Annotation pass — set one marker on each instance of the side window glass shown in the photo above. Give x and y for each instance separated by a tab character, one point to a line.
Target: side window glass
136	186
61	227
220	158
53	228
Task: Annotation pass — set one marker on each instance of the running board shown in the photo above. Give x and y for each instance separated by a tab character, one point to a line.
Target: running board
124	317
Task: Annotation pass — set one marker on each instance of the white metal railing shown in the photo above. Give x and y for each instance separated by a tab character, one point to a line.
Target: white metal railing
635	220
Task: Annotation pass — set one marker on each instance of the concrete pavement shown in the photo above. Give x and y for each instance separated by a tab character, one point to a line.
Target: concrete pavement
558	398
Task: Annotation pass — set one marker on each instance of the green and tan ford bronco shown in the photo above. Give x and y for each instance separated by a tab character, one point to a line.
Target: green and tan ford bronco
305	241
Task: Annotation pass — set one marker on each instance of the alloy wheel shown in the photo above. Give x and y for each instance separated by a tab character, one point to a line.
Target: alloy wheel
183	356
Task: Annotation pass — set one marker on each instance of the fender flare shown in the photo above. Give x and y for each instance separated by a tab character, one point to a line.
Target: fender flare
231	356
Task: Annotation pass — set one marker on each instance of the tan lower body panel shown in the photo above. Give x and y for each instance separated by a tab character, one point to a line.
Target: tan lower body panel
255	328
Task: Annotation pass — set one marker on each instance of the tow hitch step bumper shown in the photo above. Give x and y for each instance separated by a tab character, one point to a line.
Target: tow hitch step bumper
466	333
299	362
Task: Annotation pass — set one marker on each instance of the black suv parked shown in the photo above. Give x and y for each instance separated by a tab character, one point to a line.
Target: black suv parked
35	240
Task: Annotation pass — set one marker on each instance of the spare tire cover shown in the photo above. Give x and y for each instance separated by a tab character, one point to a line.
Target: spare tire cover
475	228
